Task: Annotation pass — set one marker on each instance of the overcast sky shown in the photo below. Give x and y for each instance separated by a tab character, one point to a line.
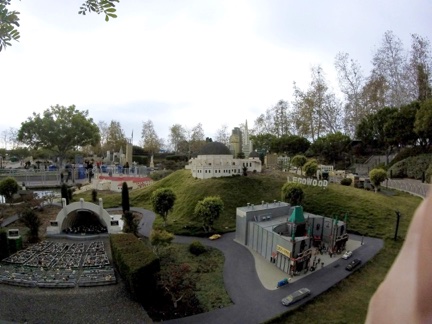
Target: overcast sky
188	61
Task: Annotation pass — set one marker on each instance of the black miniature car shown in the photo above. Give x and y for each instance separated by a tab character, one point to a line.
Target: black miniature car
354	263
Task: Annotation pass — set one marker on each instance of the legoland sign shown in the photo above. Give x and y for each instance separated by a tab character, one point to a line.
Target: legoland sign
308	181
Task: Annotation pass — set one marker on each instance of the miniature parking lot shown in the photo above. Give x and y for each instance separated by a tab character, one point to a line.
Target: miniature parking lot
50	264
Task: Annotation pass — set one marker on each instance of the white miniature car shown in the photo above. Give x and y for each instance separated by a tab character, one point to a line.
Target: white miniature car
347	255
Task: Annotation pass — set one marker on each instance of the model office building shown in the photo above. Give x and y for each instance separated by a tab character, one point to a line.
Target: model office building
286	236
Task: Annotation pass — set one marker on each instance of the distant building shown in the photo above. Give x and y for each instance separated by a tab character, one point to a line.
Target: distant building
286	236
240	142
215	160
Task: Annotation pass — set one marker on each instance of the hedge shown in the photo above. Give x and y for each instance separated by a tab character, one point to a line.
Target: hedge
136	263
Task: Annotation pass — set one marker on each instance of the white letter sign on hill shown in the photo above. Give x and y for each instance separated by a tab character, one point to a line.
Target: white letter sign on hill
308	181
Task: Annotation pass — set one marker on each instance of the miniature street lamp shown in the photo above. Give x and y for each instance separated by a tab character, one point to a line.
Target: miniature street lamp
398	214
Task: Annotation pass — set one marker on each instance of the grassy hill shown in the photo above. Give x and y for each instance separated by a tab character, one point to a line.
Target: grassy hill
369	213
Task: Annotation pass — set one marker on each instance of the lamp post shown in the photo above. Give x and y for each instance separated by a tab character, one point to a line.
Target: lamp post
397	223
73	172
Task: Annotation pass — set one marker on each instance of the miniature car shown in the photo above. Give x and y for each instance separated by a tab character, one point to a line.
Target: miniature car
354	263
347	255
295	296
215	237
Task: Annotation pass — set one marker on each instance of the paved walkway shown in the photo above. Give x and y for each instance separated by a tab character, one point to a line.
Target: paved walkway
414	187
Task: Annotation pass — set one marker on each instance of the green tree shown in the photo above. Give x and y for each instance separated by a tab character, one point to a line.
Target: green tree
377	176
115	137
176	136
8	187
60	129
292	193
150	140
163	200
31	220
125	198
160	239
299	161
331	147
263	142
351	82
377	129
310	168
208	211
9	20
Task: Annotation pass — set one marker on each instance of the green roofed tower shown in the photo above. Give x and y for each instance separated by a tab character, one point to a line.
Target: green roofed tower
297	216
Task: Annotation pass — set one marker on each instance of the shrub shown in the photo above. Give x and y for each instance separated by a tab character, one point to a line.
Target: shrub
196	248
346	182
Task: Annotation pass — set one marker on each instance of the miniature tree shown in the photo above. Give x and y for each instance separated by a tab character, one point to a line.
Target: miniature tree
125	198
178	282
130	225
32	221
208	211
245	170
299	161
94	195
377	176
8	187
310	168
64	193
160	239
163	200
292	193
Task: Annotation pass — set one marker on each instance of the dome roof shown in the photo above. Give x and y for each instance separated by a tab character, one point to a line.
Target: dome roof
254	154
215	148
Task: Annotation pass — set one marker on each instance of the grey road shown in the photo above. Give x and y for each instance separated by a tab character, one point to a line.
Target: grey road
253	303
